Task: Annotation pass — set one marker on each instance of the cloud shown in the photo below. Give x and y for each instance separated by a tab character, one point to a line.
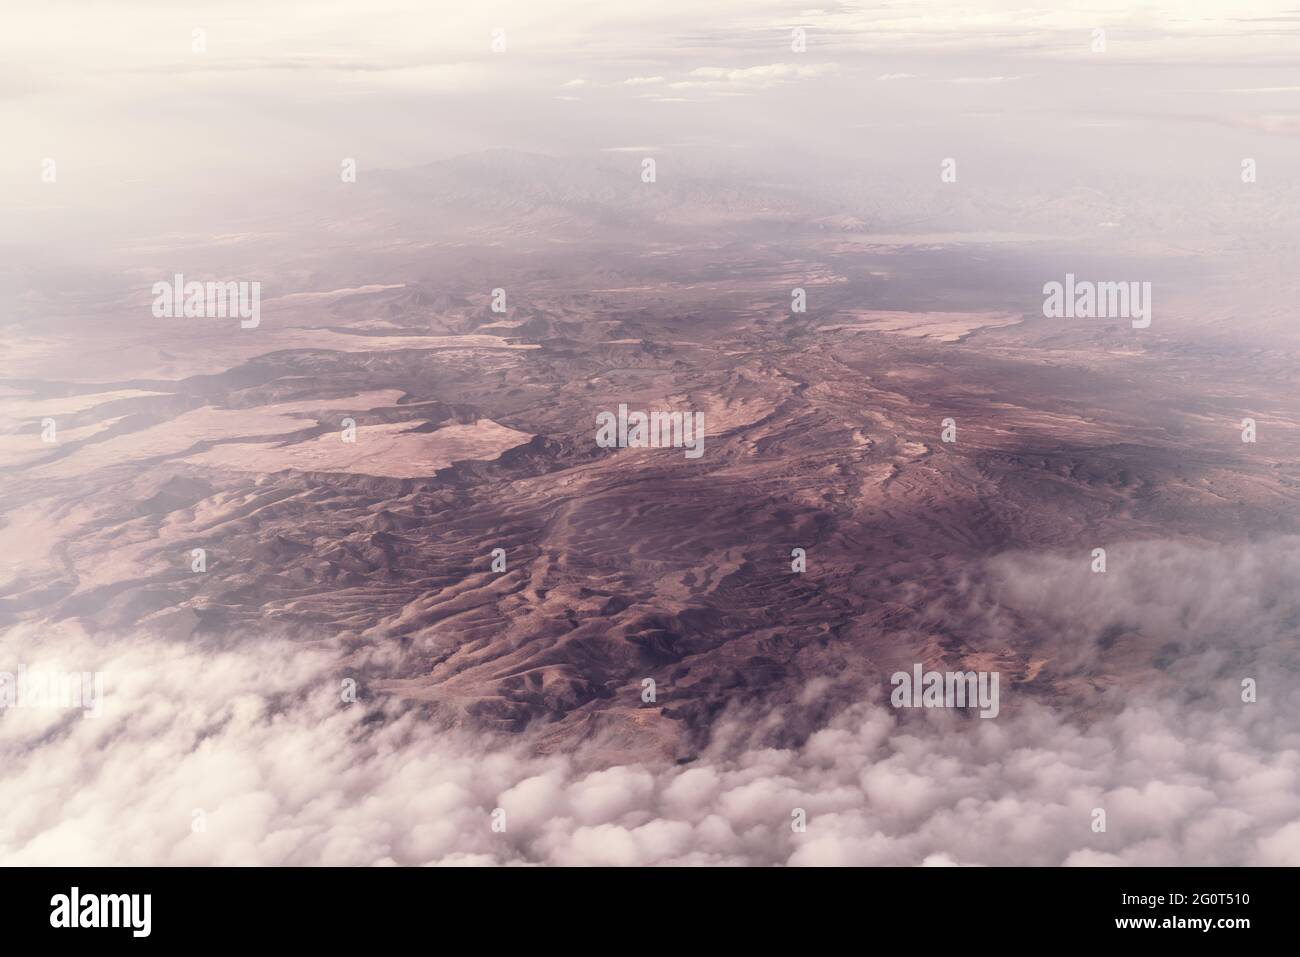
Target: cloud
255	734
1225	610
754	77
1275	124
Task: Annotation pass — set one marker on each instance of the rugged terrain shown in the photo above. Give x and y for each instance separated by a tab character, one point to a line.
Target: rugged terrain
475	431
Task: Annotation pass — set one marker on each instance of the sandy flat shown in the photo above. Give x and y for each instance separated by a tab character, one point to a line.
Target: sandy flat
391	449
334	293
208	424
24	448
16	407
943	326
342	342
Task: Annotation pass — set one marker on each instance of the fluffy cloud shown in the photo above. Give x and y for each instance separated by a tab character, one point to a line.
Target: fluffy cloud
1211	615
255	734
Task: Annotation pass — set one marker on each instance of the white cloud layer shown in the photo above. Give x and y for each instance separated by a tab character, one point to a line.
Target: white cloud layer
257	737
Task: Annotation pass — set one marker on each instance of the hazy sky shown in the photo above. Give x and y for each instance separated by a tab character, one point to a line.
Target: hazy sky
116	94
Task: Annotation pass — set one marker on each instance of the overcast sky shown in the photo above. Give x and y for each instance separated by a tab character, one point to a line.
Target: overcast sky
116	95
